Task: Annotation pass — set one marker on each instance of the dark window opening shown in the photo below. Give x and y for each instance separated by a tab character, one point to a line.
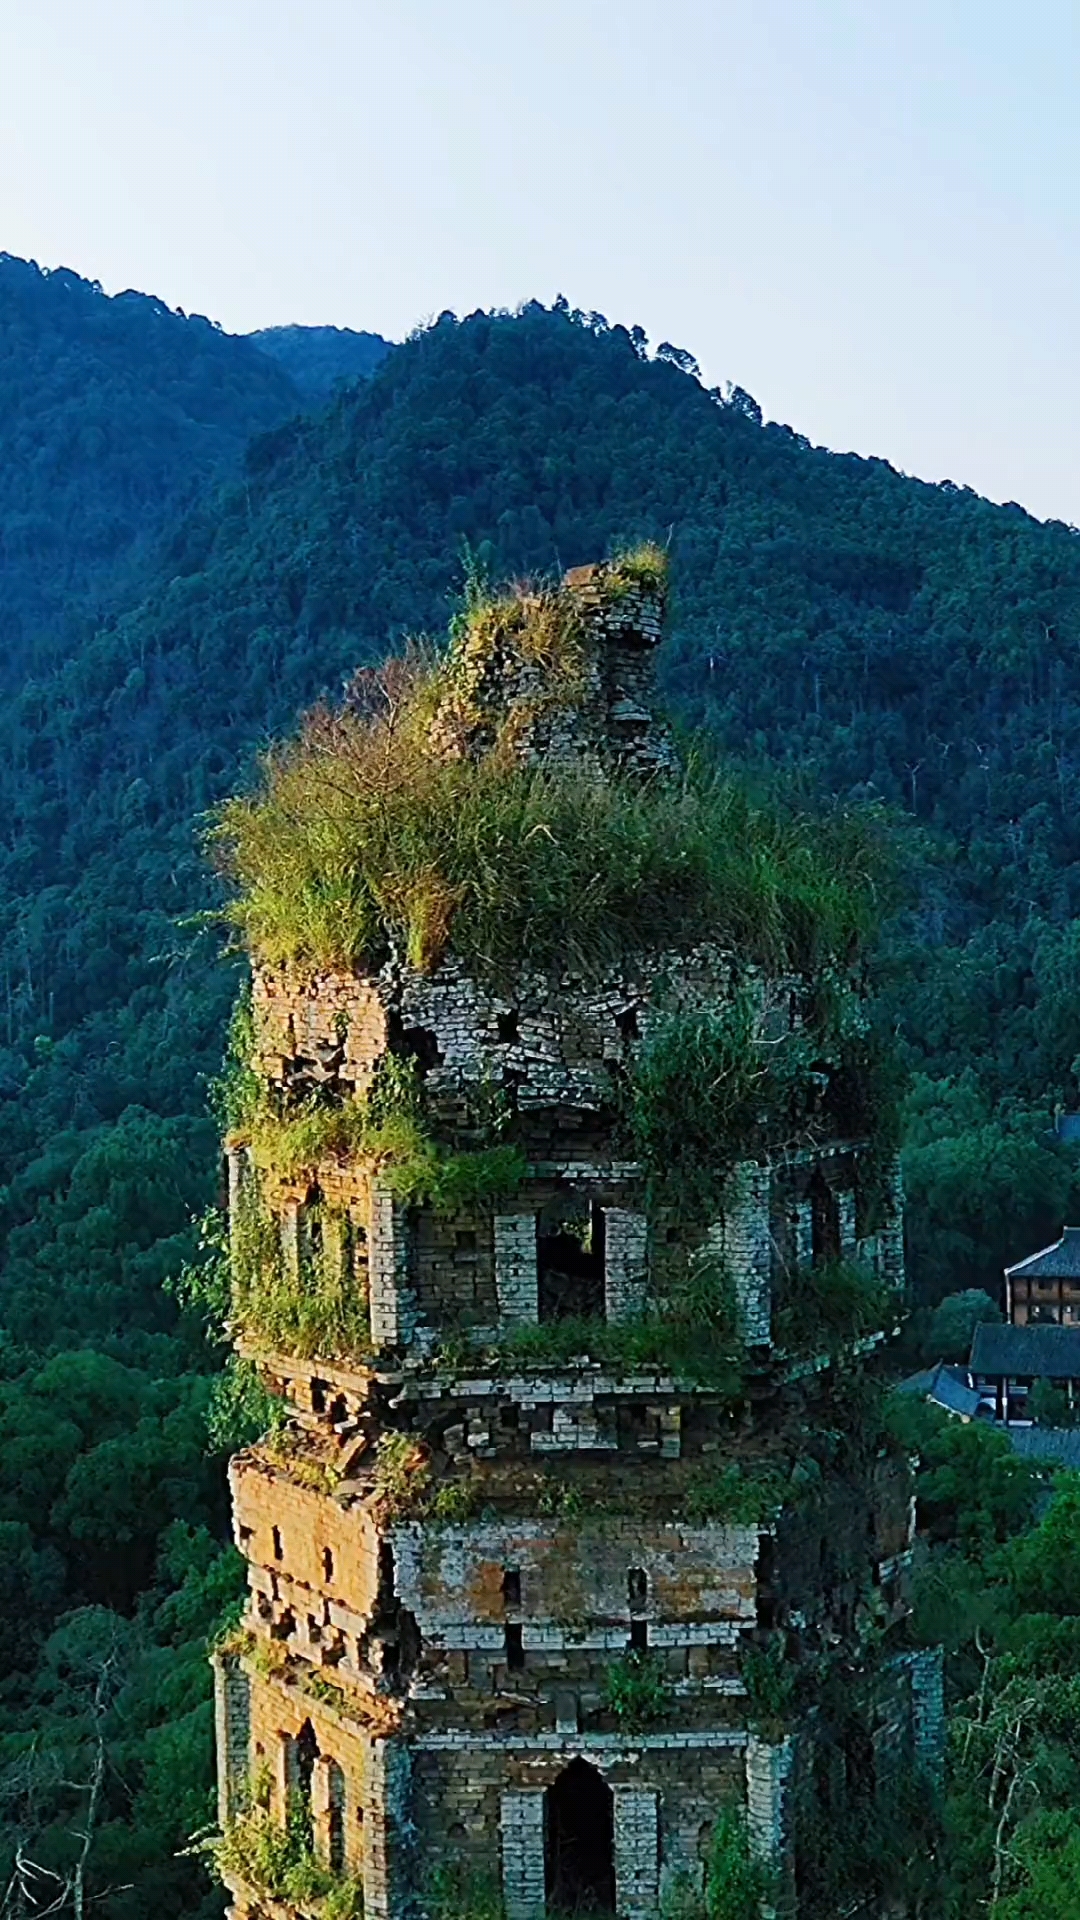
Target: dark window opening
414	1043
859	1766
627	1022
318	1396
570	1268
579	1842
637	1586
639	1636
410	1640
338	1410
508	1417
336	1819
465	1240
305	1754
825	1222
507	1027
766	1607
515	1648
285	1627
314	1628
511	1587
327	1564
279	1551
387	1573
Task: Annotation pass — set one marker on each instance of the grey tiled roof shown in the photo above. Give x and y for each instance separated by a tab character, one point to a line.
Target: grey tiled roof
1039	1352
1059	1262
1060	1444
946	1386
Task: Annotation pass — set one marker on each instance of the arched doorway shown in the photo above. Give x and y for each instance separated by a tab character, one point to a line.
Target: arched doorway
579	1842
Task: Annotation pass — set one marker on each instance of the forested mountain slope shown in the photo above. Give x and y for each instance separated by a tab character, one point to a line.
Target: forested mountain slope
113	413
878	636
884	636
319	358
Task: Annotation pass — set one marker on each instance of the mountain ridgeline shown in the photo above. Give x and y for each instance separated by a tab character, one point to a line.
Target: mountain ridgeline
115	413
175	592
882	638
318	359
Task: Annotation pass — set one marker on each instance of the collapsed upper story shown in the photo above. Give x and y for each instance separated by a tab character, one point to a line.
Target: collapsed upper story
543	1026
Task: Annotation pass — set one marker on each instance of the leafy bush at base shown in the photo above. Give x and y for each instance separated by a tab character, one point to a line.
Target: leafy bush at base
276	1858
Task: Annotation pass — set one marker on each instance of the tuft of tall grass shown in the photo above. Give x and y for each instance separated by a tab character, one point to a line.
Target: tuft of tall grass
360	842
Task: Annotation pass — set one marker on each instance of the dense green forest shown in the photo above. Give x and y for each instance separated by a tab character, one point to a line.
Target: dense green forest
113	413
321	358
864	635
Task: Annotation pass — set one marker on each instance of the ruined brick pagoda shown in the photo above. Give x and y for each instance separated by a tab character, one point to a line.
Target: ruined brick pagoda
498	1626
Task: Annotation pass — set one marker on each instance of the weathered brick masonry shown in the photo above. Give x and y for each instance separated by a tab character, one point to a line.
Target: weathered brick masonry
439	1683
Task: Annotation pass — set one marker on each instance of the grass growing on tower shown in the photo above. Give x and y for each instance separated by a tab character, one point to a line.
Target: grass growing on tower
361	841
319	1310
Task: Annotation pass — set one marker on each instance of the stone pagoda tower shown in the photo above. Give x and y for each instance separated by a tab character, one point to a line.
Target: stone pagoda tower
525	1615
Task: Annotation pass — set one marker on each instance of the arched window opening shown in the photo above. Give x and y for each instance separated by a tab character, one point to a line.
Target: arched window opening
579	1842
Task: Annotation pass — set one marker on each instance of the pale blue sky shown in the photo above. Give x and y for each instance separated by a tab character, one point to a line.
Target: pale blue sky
865	211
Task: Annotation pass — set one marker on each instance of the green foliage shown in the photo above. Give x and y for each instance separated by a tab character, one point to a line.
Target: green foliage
319	359
454	1182
952	1325
318	1311
362	841
1049	1405
823	1307
635	1690
558	1499
240	1410
402	1475
716	1085
770	1680
737	1885
111	413
986	1184
733	1497
275	1858
140	1683
1045	1858
974	1491
681	1341
456	1893
699	1085
645	566
295	1138
310	1134
454	1501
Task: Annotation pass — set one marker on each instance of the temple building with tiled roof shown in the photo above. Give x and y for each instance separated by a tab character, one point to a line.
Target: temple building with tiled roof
1044	1289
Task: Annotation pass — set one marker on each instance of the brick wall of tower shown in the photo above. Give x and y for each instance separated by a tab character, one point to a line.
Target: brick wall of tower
432	1668
479	1804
